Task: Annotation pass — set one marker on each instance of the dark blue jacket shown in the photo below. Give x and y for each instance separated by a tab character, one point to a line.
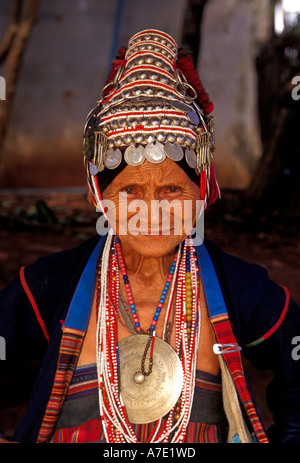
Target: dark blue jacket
263	320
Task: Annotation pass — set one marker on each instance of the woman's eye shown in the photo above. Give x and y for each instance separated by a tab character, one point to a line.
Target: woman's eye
173	189
129	190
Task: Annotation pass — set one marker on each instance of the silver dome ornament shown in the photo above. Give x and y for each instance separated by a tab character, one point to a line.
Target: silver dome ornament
161	137
180	139
188	142
166	120
173	151
171	137
150	138
136	91
155	153
191	158
117	142
138	138
112	158
122	122
155	121
134	155
154	76
127	139
110	144
148	91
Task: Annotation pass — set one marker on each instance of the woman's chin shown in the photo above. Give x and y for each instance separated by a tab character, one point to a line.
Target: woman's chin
152	245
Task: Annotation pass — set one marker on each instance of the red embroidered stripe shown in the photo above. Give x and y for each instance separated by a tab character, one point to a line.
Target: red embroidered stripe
92	431
224	334
135	113
69	352
281	318
143	83
149	67
277	324
150	42
150	31
158	55
158	128
33	303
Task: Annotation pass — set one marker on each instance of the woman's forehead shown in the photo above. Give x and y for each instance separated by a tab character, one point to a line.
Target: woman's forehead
164	172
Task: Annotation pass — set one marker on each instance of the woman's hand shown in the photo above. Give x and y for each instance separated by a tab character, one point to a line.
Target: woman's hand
5	441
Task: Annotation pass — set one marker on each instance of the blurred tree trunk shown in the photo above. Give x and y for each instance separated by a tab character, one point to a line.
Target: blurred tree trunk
276	182
12	49
191	31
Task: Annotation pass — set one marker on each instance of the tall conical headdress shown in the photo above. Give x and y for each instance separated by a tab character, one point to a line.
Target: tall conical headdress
152	107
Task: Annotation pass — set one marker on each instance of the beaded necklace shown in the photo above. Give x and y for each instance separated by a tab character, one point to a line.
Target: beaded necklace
184	275
129	293
132	306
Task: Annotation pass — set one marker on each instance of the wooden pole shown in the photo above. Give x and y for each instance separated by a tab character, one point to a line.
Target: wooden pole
12	50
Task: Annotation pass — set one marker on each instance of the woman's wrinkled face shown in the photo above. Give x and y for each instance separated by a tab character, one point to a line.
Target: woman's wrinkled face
155	206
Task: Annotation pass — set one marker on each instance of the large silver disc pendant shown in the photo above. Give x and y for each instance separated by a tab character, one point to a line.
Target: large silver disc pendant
191	158
155	153
134	155
173	151
112	158
148	398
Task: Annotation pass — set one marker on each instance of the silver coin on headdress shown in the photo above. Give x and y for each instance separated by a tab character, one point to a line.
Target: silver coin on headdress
134	155
155	153
191	158
193	117
180	105
173	151
112	158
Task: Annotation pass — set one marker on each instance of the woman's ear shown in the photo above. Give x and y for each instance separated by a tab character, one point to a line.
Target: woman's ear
91	198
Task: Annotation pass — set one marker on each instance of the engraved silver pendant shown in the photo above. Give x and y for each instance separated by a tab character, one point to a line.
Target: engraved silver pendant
112	158
166	379
134	155
191	158
173	151
155	153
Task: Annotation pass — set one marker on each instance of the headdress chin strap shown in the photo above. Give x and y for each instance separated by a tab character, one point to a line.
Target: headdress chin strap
153	106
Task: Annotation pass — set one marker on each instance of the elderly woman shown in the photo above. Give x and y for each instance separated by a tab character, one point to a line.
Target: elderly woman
139	332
